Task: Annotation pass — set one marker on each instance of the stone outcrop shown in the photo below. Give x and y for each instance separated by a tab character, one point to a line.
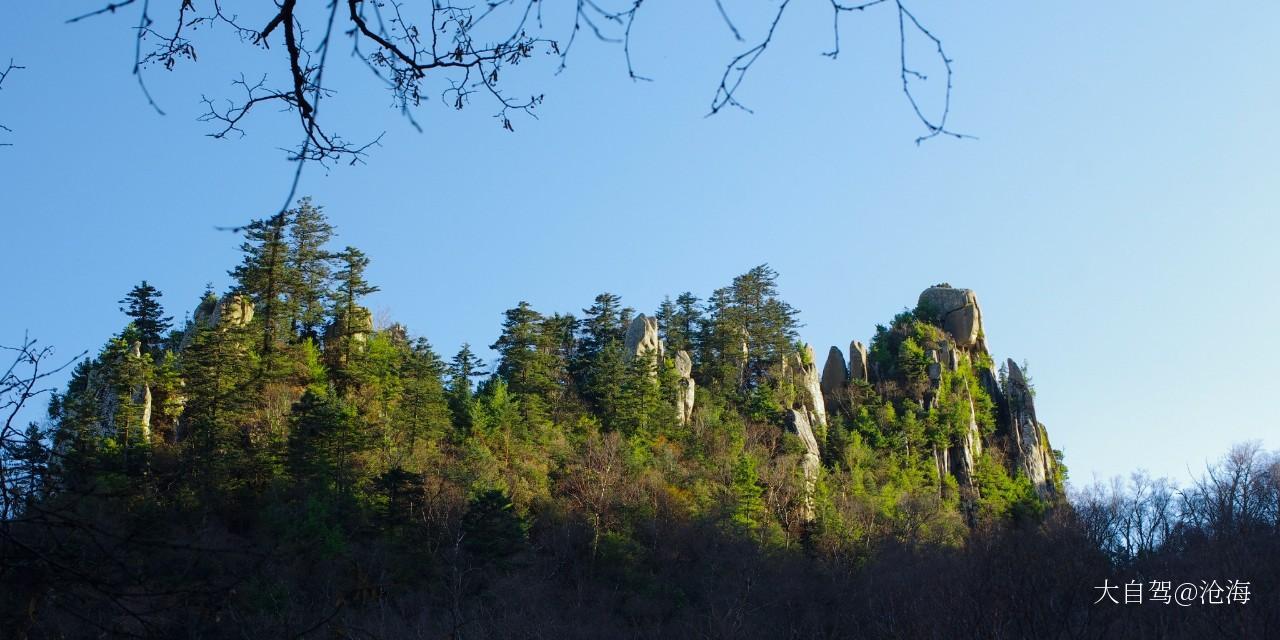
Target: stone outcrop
1030	441
808	385
857	361
960	345
348	334
956	311
642	340
807	418
355	327
142	397
231	310
835	375
961	458
234	310
686	391
797	422
110	392
642	337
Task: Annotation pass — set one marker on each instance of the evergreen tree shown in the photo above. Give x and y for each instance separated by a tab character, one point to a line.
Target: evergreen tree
746	495
423	409
638	404
351	284
324	442
263	275
522	363
526	364
142	305
348	315
464	366
559	341
599	367
217	368
666	317
678	323
310	268
491	528
749	329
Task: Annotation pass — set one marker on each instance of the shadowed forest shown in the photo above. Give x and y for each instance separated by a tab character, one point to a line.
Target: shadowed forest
280	464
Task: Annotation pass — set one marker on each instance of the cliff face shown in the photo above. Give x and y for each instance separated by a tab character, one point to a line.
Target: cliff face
1027	438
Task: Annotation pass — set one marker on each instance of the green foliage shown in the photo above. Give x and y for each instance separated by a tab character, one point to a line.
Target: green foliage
1003	496
310	268
341	449
527	363
142	305
747	331
491	528
747	512
218	368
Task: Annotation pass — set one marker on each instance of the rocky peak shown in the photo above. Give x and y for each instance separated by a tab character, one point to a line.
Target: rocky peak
1022	439
956	311
642	337
804	372
857	361
1030	440
835	375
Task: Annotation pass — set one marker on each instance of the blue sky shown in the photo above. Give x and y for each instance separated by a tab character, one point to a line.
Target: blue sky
1117	215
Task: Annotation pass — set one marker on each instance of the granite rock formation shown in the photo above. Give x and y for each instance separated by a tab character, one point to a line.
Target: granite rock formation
642	337
962	344
835	375
797	422
956	311
1030	440
858	361
686	391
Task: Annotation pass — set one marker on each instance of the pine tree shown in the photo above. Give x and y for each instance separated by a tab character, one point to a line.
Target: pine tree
423	409
666	317
747	506
526	364
464	366
324	444
142	305
521	362
749	329
310	268
638	403
351	283
217	368
598	367
678	323
491	527
348	316
264	275
559	341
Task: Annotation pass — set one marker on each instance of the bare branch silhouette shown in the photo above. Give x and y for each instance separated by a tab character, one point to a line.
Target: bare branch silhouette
3	76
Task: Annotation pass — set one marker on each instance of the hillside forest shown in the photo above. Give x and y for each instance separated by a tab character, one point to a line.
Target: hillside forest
277	463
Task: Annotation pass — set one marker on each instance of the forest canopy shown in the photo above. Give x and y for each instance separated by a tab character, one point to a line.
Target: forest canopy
280	464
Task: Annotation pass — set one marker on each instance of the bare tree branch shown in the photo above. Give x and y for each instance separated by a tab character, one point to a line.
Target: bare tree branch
464	49
3	76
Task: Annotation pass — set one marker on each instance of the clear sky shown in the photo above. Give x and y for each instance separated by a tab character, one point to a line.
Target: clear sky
1117	215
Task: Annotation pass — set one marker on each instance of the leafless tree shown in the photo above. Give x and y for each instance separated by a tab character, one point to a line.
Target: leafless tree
1236	496
25	379
461	52
4	75
1128	520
